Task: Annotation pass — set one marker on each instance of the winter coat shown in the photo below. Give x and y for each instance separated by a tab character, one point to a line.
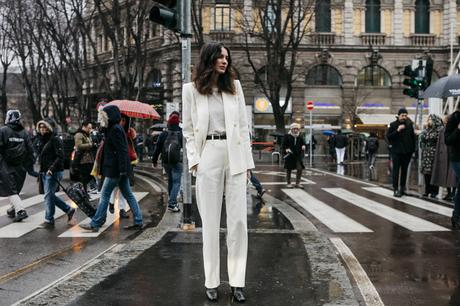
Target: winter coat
452	136
428	142
51	150
295	144
442	174
402	142
340	141
12	176
115	160
84	144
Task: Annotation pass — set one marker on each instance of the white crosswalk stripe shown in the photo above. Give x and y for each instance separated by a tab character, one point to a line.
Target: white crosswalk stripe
332	218
77	231
27	202
393	215
419	203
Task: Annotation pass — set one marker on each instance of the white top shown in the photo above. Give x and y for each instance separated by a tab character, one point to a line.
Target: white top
216	113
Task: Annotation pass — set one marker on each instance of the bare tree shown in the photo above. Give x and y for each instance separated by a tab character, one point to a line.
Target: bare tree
279	28
6	58
197	22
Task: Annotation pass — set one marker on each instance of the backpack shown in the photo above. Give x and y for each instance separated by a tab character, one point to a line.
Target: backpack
372	144
171	153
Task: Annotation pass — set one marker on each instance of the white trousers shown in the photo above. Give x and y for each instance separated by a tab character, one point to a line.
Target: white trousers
213	177
16	202
121	198
340	154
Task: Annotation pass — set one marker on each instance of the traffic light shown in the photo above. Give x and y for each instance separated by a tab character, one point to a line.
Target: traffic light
415	82
166	13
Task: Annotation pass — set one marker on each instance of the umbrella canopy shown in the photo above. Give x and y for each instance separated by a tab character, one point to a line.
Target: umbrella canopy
448	86
135	109
328	133
277	134
159	126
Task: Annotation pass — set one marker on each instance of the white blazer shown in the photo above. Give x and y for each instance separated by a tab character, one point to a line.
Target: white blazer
195	115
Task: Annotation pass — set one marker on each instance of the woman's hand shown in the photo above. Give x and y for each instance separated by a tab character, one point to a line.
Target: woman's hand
303	148
194	168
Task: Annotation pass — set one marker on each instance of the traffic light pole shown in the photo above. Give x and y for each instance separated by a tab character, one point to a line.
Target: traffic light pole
186	49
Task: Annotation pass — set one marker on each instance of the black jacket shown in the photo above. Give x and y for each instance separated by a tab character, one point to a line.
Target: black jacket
51	153
452	136
340	141
402	142
295	144
12	175
161	141
115	159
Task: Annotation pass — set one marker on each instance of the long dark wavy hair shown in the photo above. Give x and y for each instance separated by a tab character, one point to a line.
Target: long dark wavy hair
204	71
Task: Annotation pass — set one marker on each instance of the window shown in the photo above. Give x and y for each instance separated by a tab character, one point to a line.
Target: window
372	16
373	75
323	75
323	16
422	16
222	17
269	16
154	79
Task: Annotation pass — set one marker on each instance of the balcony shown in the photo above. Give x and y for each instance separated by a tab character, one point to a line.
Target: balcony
423	40
373	39
323	38
221	35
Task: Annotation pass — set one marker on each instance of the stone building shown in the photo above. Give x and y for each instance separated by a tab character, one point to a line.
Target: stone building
350	64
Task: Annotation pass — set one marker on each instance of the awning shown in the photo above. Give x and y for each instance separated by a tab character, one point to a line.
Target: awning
377	119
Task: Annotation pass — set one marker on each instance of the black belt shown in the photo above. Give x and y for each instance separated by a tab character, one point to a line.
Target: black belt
216	137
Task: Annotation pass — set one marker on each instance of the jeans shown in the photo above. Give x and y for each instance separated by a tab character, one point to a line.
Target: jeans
400	165
256	183
174	173
50	184
109	184
372	156
456	167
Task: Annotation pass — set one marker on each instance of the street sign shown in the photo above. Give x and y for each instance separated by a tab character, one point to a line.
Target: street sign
310	105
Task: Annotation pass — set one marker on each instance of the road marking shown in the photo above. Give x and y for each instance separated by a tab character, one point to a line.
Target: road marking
345	178
332	218
367	289
28	202
304	182
155	186
436	208
393	215
77	231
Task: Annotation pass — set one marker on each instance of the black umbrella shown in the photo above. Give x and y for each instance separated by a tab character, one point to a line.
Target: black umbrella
159	126
448	86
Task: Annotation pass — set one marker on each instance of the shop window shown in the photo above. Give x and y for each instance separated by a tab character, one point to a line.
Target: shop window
323	16
373	75
323	75
154	79
422	16
222	17
372	16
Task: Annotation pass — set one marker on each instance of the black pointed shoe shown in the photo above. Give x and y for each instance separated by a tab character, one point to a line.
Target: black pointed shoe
211	294
238	294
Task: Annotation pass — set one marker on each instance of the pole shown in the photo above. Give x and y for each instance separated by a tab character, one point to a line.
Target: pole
186	50
419	163
311	137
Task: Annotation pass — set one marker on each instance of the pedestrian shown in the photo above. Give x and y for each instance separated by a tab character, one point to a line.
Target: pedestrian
428	143
257	185
169	146
51	159
340	144
372	146
116	168
401	136
293	153
84	158
219	154
16	158
331	141
149	144
452	139
311	138
442	174
139	146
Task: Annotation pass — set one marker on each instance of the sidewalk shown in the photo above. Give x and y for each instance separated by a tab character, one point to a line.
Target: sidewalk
289	263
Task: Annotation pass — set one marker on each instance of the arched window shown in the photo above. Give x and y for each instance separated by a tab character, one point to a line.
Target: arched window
323	16
372	16
154	79
422	16
323	75
373	75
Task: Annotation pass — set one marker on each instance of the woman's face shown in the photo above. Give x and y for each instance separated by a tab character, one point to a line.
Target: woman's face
429	122
42	129
222	62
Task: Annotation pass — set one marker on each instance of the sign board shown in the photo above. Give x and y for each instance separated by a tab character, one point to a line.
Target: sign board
310	105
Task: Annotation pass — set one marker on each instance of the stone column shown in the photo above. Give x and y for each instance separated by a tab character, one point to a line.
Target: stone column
449	20
348	22
398	23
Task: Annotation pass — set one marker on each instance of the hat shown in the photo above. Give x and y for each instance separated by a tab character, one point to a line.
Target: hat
402	110
295	126
12	116
173	120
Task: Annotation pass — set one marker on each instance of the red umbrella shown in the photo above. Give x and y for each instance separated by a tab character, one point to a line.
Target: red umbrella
135	109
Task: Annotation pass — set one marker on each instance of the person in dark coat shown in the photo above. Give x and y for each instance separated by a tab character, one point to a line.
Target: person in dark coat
293	153
16	157
452	139
340	145
331	146
401	136
428	143
372	146
443	175
51	161
84	147
115	168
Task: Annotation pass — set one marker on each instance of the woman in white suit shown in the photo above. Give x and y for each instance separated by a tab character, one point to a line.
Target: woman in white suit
219	154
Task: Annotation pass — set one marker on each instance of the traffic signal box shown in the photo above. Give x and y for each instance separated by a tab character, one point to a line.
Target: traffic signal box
167	13
418	77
